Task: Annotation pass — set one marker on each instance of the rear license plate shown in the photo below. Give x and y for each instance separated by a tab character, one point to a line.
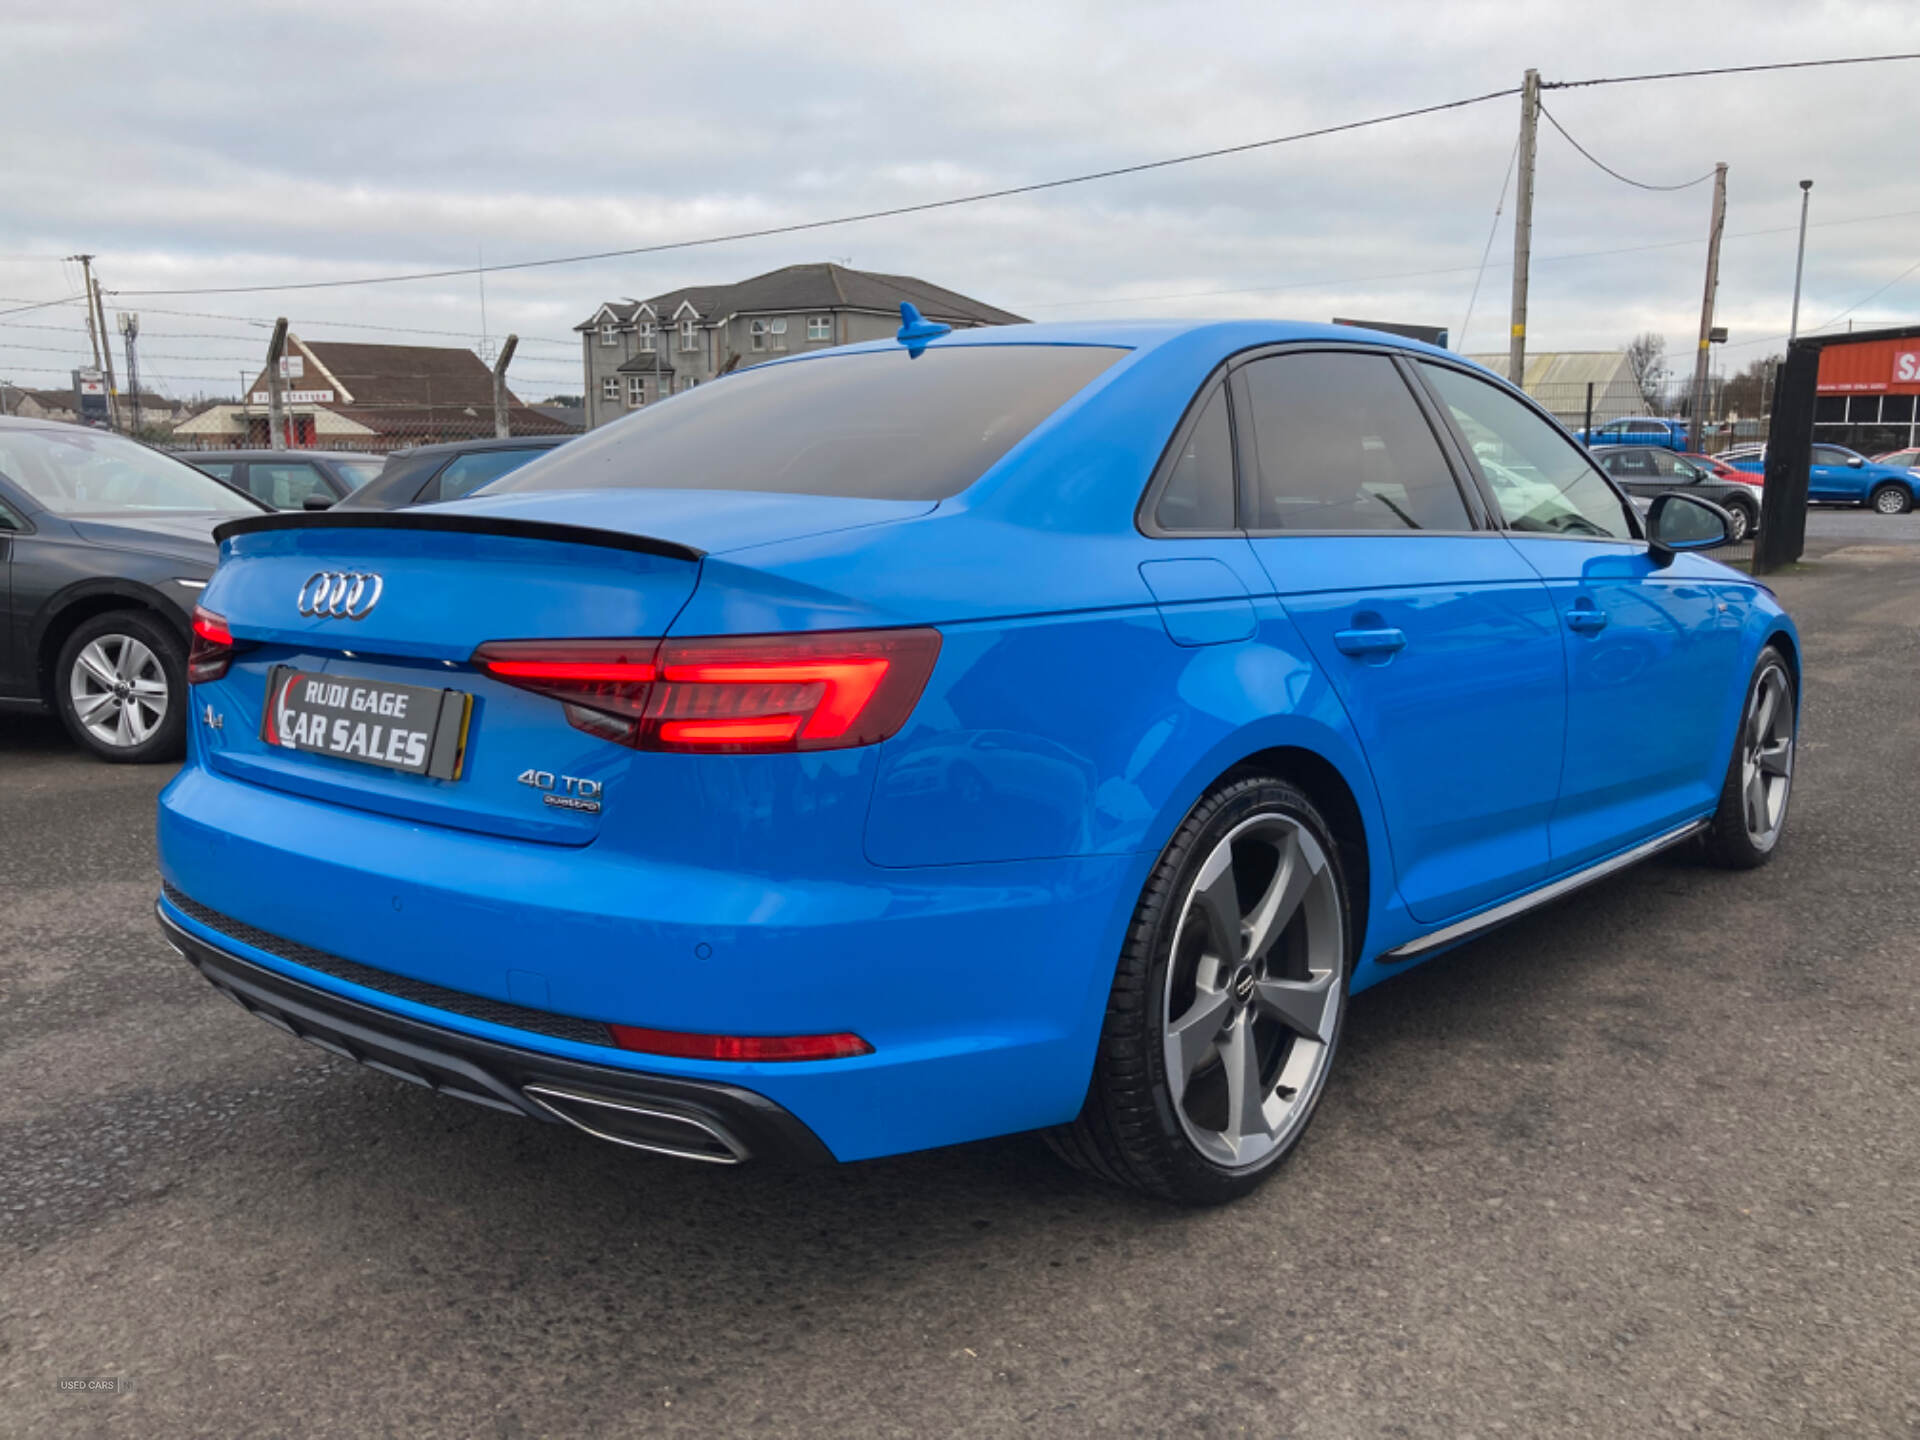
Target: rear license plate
376	722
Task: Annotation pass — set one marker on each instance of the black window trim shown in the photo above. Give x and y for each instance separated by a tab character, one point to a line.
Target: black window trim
1499	382
1481	515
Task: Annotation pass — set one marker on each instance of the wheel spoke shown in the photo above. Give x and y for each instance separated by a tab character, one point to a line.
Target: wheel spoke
1756	800
1275	909
1192	1035
1763	714
94	661
121	727
1303	1006
91	707
1246	1114
1217	898
1776	758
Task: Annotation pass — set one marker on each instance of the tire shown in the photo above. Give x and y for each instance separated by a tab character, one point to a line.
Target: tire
1745	522
120	687
1752	813
1890	499
1269	1014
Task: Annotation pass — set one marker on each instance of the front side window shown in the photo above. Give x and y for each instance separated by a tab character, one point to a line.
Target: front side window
1544	483
1831	455
610	387
285	485
1199	492
71	471
610	333
880	424
1341	445
819	327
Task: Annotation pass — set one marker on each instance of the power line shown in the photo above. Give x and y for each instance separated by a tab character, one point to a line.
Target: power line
1874	296
1625	179
1492	230
896	210
42	304
1725	70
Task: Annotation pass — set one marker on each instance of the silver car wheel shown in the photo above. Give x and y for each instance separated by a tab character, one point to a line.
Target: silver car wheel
119	690
1889	501
1254	991
1766	756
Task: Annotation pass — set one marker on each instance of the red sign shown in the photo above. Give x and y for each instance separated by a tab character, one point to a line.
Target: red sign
1869	367
1906	367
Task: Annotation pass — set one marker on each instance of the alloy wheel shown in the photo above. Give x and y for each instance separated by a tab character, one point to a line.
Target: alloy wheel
1737	531
119	690
1889	501
1766	757
1254	991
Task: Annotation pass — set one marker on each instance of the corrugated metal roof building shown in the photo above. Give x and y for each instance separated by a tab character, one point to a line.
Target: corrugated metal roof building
1558	379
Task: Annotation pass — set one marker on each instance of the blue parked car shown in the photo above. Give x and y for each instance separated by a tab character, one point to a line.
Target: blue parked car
1639	430
1841	476
1034	728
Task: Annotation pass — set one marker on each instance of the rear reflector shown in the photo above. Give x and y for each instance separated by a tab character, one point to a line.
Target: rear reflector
683	1045
212	650
738	694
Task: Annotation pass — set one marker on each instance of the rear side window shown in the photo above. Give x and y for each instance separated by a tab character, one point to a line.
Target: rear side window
1342	445
880	424
467	473
1544	482
1199	491
219	469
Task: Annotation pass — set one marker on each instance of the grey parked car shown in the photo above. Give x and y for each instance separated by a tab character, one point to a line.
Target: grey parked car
105	546
287	479
446	472
1645	471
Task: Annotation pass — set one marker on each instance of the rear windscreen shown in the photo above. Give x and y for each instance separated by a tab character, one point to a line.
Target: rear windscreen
881	425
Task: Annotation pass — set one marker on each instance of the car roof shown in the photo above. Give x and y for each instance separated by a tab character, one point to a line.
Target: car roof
260	453
1224	336
27	422
491	442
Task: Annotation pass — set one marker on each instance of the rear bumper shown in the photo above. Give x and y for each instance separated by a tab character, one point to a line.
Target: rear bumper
691	1119
980	987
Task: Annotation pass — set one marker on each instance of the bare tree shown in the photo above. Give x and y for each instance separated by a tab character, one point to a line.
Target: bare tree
1749	391
1647	358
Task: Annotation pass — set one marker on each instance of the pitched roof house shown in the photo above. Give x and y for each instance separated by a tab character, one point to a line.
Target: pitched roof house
636	351
348	395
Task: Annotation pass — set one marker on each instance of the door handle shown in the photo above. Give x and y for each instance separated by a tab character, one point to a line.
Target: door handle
1587	619
1383	641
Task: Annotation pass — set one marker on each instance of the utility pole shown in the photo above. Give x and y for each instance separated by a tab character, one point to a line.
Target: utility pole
1701	356
86	270
129	333
1799	260
500	427
276	347
106	352
1523	225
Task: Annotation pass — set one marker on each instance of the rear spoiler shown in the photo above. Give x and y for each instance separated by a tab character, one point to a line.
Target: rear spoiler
459	524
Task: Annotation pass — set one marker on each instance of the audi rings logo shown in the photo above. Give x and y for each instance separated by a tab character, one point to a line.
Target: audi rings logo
340	594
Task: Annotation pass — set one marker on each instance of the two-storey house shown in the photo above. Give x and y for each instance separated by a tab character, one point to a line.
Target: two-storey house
638	351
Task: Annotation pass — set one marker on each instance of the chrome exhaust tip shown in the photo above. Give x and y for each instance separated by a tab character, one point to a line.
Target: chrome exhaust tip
640	1127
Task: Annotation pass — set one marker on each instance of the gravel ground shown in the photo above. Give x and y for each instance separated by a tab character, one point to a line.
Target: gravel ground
1642	1163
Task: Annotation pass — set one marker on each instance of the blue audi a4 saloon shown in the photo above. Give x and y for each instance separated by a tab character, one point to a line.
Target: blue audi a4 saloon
1032	728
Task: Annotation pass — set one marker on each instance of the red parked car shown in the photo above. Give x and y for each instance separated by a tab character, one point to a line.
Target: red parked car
1721	470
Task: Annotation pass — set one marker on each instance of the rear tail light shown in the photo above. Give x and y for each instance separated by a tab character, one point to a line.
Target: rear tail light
687	1046
741	694
212	650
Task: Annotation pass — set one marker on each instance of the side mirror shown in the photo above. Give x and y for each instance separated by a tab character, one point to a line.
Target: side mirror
317	500
1855	462
1677	522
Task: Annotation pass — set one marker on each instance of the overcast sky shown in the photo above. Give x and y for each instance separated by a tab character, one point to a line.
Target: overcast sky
194	145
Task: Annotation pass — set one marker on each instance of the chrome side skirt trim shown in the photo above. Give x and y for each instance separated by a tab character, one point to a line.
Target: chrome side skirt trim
1520	904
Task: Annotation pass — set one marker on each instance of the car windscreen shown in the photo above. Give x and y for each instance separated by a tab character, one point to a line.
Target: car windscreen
86	472
357	472
875	424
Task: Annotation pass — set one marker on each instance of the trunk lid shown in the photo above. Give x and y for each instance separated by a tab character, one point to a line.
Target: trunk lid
446	584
